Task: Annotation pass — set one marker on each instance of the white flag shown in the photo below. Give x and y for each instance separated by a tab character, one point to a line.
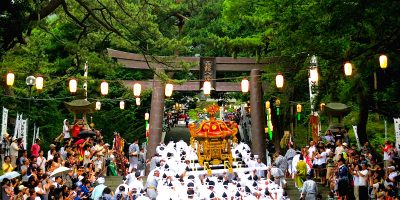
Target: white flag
4	123
397	131
34	134
37	133
25	132
17	122
356	135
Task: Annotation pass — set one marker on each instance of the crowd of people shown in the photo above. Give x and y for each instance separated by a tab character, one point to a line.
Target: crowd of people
68	170
174	175
348	171
173	172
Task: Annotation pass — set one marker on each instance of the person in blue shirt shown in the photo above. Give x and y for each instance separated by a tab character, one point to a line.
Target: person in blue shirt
86	188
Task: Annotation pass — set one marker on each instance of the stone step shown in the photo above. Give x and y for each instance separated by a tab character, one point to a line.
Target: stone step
294	193
113	181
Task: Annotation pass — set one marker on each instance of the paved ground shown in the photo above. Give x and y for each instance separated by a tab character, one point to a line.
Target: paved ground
177	133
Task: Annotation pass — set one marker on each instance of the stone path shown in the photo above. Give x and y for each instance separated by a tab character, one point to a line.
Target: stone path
177	133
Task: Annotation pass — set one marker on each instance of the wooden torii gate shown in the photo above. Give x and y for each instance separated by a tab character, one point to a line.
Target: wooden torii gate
207	66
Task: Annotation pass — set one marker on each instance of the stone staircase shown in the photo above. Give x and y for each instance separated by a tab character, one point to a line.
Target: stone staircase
293	192
113	182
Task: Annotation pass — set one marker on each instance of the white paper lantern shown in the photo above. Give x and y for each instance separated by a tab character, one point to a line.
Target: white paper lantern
207	87
122	105
168	89
98	105
104	88
383	60
137	89
10	79
39	83
279	80
73	85
348	69
245	85
138	101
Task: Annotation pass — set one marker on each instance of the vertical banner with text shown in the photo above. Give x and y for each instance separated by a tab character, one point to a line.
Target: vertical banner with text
24	132
356	135
397	131
4	123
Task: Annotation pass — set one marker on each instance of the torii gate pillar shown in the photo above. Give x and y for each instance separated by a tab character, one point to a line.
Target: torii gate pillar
156	117
257	115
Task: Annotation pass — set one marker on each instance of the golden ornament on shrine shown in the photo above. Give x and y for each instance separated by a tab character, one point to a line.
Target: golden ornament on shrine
213	138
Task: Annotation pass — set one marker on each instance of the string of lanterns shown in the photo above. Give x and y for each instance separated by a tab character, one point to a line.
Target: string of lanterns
207	87
383	62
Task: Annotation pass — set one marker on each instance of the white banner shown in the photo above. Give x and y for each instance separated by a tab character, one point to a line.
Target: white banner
34	134
356	135
397	131
4	123
16	128
23	134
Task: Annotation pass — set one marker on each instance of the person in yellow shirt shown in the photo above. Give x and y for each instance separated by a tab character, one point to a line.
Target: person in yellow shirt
7	167
300	176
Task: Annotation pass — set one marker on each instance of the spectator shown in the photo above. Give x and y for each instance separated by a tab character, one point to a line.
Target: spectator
7	166
35	148
14	148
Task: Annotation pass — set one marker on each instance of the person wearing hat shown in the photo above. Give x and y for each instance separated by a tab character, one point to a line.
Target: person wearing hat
51	152
14	148
310	189
98	190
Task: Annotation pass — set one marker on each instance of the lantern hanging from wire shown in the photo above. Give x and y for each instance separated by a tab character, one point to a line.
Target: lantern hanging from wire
104	88
267	105
245	85
137	101
278	104
383	60
169	87
207	87
137	89
348	69
279	80
39	83
146	116
73	85
98	105
298	111
122	105
10	79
